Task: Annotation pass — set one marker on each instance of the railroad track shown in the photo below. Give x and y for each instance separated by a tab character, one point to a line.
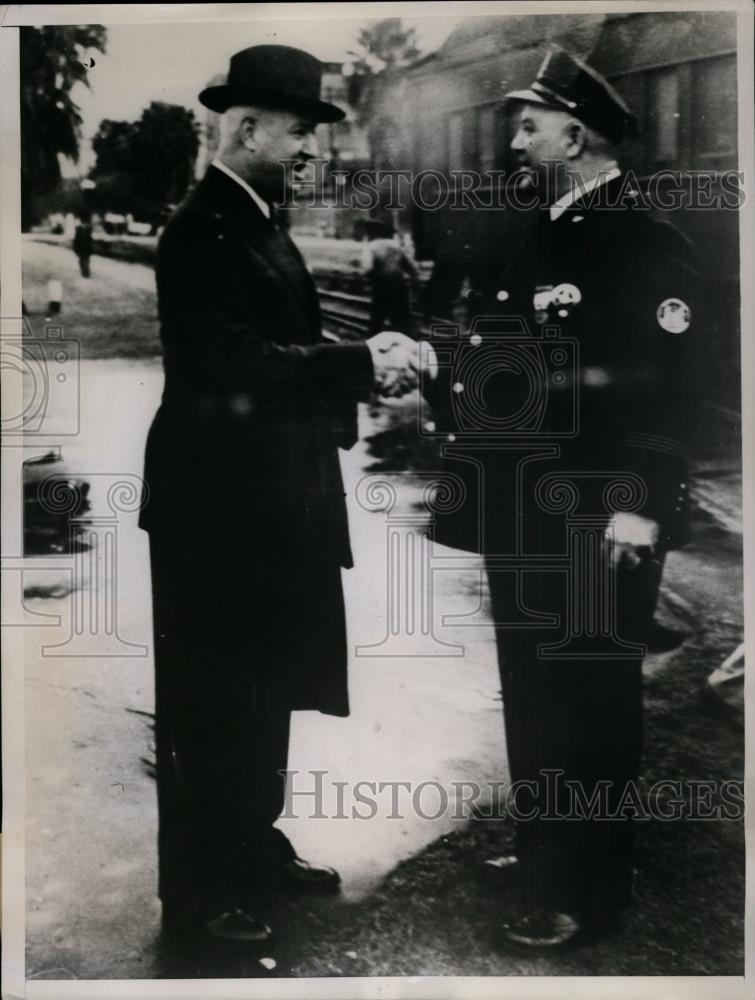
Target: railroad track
344	313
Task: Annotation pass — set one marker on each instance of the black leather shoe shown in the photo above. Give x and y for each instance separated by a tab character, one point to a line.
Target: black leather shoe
238	927
231	925
542	930
302	876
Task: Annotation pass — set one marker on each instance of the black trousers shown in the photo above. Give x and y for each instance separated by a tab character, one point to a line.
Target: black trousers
222	730
573	734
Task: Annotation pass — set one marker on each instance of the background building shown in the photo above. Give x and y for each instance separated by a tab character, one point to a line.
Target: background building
676	70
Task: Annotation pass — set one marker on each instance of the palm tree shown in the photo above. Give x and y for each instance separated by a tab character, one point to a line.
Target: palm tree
53	59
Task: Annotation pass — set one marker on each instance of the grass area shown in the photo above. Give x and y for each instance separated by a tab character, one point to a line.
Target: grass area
113	314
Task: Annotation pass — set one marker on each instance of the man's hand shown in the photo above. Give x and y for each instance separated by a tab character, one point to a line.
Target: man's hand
428	360
395	359
630	537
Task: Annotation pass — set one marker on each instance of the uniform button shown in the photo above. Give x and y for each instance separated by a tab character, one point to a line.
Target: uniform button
595	377
451	437
678	510
502	295
429	426
475	340
683	486
457	387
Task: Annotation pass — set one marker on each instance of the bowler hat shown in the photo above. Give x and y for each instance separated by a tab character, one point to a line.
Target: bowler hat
566	83
276	76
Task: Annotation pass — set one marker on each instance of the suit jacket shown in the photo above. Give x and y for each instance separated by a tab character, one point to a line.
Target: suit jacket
596	354
255	403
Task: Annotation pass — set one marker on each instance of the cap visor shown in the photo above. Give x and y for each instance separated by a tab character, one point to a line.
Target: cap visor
530	97
222	97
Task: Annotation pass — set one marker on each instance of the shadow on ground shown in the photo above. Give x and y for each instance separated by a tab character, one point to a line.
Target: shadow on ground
438	912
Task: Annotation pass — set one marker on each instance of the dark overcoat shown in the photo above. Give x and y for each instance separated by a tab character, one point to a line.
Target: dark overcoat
242	456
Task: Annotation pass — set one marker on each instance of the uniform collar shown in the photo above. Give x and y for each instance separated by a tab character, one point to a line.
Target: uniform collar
557	209
261	205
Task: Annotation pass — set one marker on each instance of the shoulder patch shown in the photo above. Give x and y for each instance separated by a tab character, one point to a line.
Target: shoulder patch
674	316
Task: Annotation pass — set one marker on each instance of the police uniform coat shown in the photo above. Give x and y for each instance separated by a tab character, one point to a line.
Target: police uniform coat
585	379
622	293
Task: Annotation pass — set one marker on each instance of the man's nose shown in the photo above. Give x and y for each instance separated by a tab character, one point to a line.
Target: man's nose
517	143
310	146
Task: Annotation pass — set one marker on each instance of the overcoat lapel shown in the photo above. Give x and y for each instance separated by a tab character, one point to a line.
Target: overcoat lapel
266	240
261	235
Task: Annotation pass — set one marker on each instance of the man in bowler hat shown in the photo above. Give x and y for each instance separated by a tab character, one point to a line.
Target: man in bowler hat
244	504
570	403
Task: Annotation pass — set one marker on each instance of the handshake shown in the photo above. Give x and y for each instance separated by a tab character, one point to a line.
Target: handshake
396	361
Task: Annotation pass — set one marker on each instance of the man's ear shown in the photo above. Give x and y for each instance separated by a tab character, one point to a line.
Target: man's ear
248	132
576	139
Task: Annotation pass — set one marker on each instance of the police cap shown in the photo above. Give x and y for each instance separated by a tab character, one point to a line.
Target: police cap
566	83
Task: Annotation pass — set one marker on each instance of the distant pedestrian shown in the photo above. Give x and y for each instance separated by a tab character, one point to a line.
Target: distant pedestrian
390	273
83	244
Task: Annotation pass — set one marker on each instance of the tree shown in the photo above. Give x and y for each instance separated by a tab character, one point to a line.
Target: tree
52	60
142	166
167	143
385	43
113	147
383	47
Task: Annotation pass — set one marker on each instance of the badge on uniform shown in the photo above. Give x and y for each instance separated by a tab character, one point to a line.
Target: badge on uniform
563	298
541	301
674	316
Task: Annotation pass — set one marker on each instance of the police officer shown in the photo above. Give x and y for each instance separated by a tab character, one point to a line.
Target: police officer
567	407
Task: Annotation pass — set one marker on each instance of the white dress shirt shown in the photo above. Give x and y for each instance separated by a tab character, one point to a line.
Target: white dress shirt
558	208
261	205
